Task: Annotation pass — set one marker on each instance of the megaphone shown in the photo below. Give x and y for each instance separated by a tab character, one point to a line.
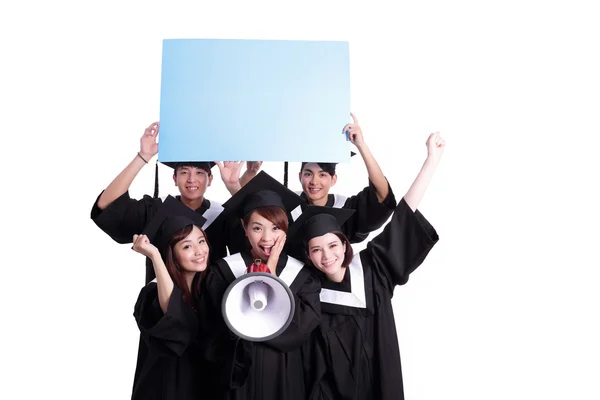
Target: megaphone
258	306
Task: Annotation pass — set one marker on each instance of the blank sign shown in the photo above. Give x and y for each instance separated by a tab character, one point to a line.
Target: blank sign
269	100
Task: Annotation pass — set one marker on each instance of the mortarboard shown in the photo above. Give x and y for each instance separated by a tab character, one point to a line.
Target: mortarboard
327	167
317	221
262	191
171	217
207	165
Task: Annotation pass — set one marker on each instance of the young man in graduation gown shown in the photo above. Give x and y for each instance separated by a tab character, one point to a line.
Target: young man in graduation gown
170	366
121	217
354	353
270	369
373	205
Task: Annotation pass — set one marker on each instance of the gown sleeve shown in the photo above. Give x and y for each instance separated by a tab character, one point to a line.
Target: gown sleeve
401	247
228	356
170	333
125	216
307	316
369	214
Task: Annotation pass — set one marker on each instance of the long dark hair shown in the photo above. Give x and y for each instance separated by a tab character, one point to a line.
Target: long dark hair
175	270
348	254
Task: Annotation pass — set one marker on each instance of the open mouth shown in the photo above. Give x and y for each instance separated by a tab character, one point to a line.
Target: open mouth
266	250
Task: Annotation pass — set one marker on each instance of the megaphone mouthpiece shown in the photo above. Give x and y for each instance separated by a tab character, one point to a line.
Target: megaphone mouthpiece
258	306
257	292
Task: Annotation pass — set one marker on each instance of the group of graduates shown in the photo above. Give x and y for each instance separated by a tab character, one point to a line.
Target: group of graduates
341	342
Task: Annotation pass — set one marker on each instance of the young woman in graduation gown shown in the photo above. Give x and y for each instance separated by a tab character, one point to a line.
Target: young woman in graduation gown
166	311
272	369
354	353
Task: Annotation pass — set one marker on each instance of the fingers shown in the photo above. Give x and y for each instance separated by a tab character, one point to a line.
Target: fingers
349	131
281	240
139	241
436	140
253	165
152	130
354	119
279	243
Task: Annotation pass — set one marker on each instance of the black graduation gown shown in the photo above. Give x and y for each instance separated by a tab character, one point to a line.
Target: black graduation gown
354	353
126	217
270	370
170	368
369	213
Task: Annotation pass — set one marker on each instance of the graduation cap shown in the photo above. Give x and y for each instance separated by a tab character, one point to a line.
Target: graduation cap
171	217
327	167
206	165
317	221
262	191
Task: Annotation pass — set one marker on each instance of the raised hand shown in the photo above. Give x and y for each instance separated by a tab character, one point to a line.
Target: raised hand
253	166
354	132
276	252
148	144
230	171
435	146
142	245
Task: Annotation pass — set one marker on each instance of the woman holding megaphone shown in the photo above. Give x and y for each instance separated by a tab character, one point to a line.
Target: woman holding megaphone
262	305
354	353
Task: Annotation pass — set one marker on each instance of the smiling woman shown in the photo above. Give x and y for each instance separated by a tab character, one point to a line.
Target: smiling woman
166	307
354	353
265	228
271	369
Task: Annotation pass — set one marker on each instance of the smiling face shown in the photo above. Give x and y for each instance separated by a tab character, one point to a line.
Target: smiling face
328	254
316	183
191	252
192	182
263	232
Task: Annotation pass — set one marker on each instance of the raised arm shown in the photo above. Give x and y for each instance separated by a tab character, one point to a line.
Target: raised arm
407	239
354	133
435	148
142	245
121	184
230	174
252	168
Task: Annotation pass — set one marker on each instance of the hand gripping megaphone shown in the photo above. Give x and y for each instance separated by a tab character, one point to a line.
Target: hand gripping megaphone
258	305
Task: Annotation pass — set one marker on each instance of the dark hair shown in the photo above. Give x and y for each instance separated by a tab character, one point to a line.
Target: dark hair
175	270
348	254
202	165
274	214
326	167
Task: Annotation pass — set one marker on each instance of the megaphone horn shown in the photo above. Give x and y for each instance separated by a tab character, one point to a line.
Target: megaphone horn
258	306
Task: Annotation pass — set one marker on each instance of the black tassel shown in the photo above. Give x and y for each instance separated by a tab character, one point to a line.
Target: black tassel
156	182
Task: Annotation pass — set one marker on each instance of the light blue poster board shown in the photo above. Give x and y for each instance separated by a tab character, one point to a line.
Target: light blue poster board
249	100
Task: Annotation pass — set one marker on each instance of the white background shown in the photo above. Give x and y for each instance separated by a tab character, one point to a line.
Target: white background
506	304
